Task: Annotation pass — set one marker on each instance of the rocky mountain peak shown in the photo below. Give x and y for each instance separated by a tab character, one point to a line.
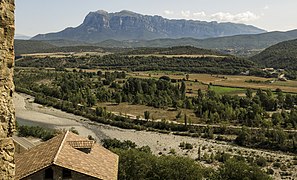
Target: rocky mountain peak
127	25
102	12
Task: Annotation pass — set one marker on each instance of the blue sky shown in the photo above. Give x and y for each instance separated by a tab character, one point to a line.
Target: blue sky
43	16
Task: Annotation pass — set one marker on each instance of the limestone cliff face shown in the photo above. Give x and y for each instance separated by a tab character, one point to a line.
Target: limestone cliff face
127	25
7	111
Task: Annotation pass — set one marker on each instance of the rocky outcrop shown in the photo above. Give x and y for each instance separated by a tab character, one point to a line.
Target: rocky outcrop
7	112
127	25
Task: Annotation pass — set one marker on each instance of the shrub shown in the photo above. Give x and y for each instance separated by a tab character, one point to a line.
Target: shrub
270	171
237	169
172	151
186	145
261	161
36	131
276	164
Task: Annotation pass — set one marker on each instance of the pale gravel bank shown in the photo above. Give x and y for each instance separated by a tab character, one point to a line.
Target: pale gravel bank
31	113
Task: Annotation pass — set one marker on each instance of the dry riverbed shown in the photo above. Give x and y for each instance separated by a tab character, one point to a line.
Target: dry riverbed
31	113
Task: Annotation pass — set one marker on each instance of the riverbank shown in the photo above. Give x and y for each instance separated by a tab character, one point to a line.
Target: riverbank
30	113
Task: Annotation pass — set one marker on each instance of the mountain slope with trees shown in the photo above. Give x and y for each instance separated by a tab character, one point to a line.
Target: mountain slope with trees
247	41
282	55
176	50
30	46
246	45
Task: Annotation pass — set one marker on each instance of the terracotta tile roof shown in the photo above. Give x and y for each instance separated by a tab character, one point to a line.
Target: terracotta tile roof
37	158
64	150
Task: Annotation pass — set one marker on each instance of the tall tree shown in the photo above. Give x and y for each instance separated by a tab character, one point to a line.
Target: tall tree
200	94
187	77
183	90
118	98
249	93
147	115
186	119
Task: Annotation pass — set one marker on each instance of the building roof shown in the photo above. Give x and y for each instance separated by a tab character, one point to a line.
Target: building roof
23	142
66	150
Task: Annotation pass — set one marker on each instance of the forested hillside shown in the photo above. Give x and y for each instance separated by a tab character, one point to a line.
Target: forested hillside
175	50
282	55
203	64
30	46
244	45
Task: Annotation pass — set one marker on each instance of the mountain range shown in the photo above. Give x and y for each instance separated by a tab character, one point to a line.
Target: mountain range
126	25
246	41
246	45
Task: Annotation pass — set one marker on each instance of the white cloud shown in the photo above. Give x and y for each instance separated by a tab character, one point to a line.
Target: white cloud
266	7
243	17
168	12
186	14
199	14
228	17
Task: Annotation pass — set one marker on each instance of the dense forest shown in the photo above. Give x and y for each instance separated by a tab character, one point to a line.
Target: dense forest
282	55
188	50
203	64
79	92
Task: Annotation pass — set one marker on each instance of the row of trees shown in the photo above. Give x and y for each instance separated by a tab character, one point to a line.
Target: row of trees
275	139
250	110
84	89
203	64
36	131
209	106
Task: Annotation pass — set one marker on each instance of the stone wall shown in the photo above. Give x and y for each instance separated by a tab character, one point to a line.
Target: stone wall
7	114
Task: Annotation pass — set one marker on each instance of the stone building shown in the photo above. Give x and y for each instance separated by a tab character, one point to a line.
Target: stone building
67	156
7	115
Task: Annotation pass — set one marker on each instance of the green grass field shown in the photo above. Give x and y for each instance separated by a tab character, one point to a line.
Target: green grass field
227	90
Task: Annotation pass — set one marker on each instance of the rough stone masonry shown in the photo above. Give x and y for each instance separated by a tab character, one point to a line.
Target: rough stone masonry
7	111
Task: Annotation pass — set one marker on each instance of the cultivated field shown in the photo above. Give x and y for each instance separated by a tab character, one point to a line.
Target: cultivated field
156	114
238	82
65	54
178	55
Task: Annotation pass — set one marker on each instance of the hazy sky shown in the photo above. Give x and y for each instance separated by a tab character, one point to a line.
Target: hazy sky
43	16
